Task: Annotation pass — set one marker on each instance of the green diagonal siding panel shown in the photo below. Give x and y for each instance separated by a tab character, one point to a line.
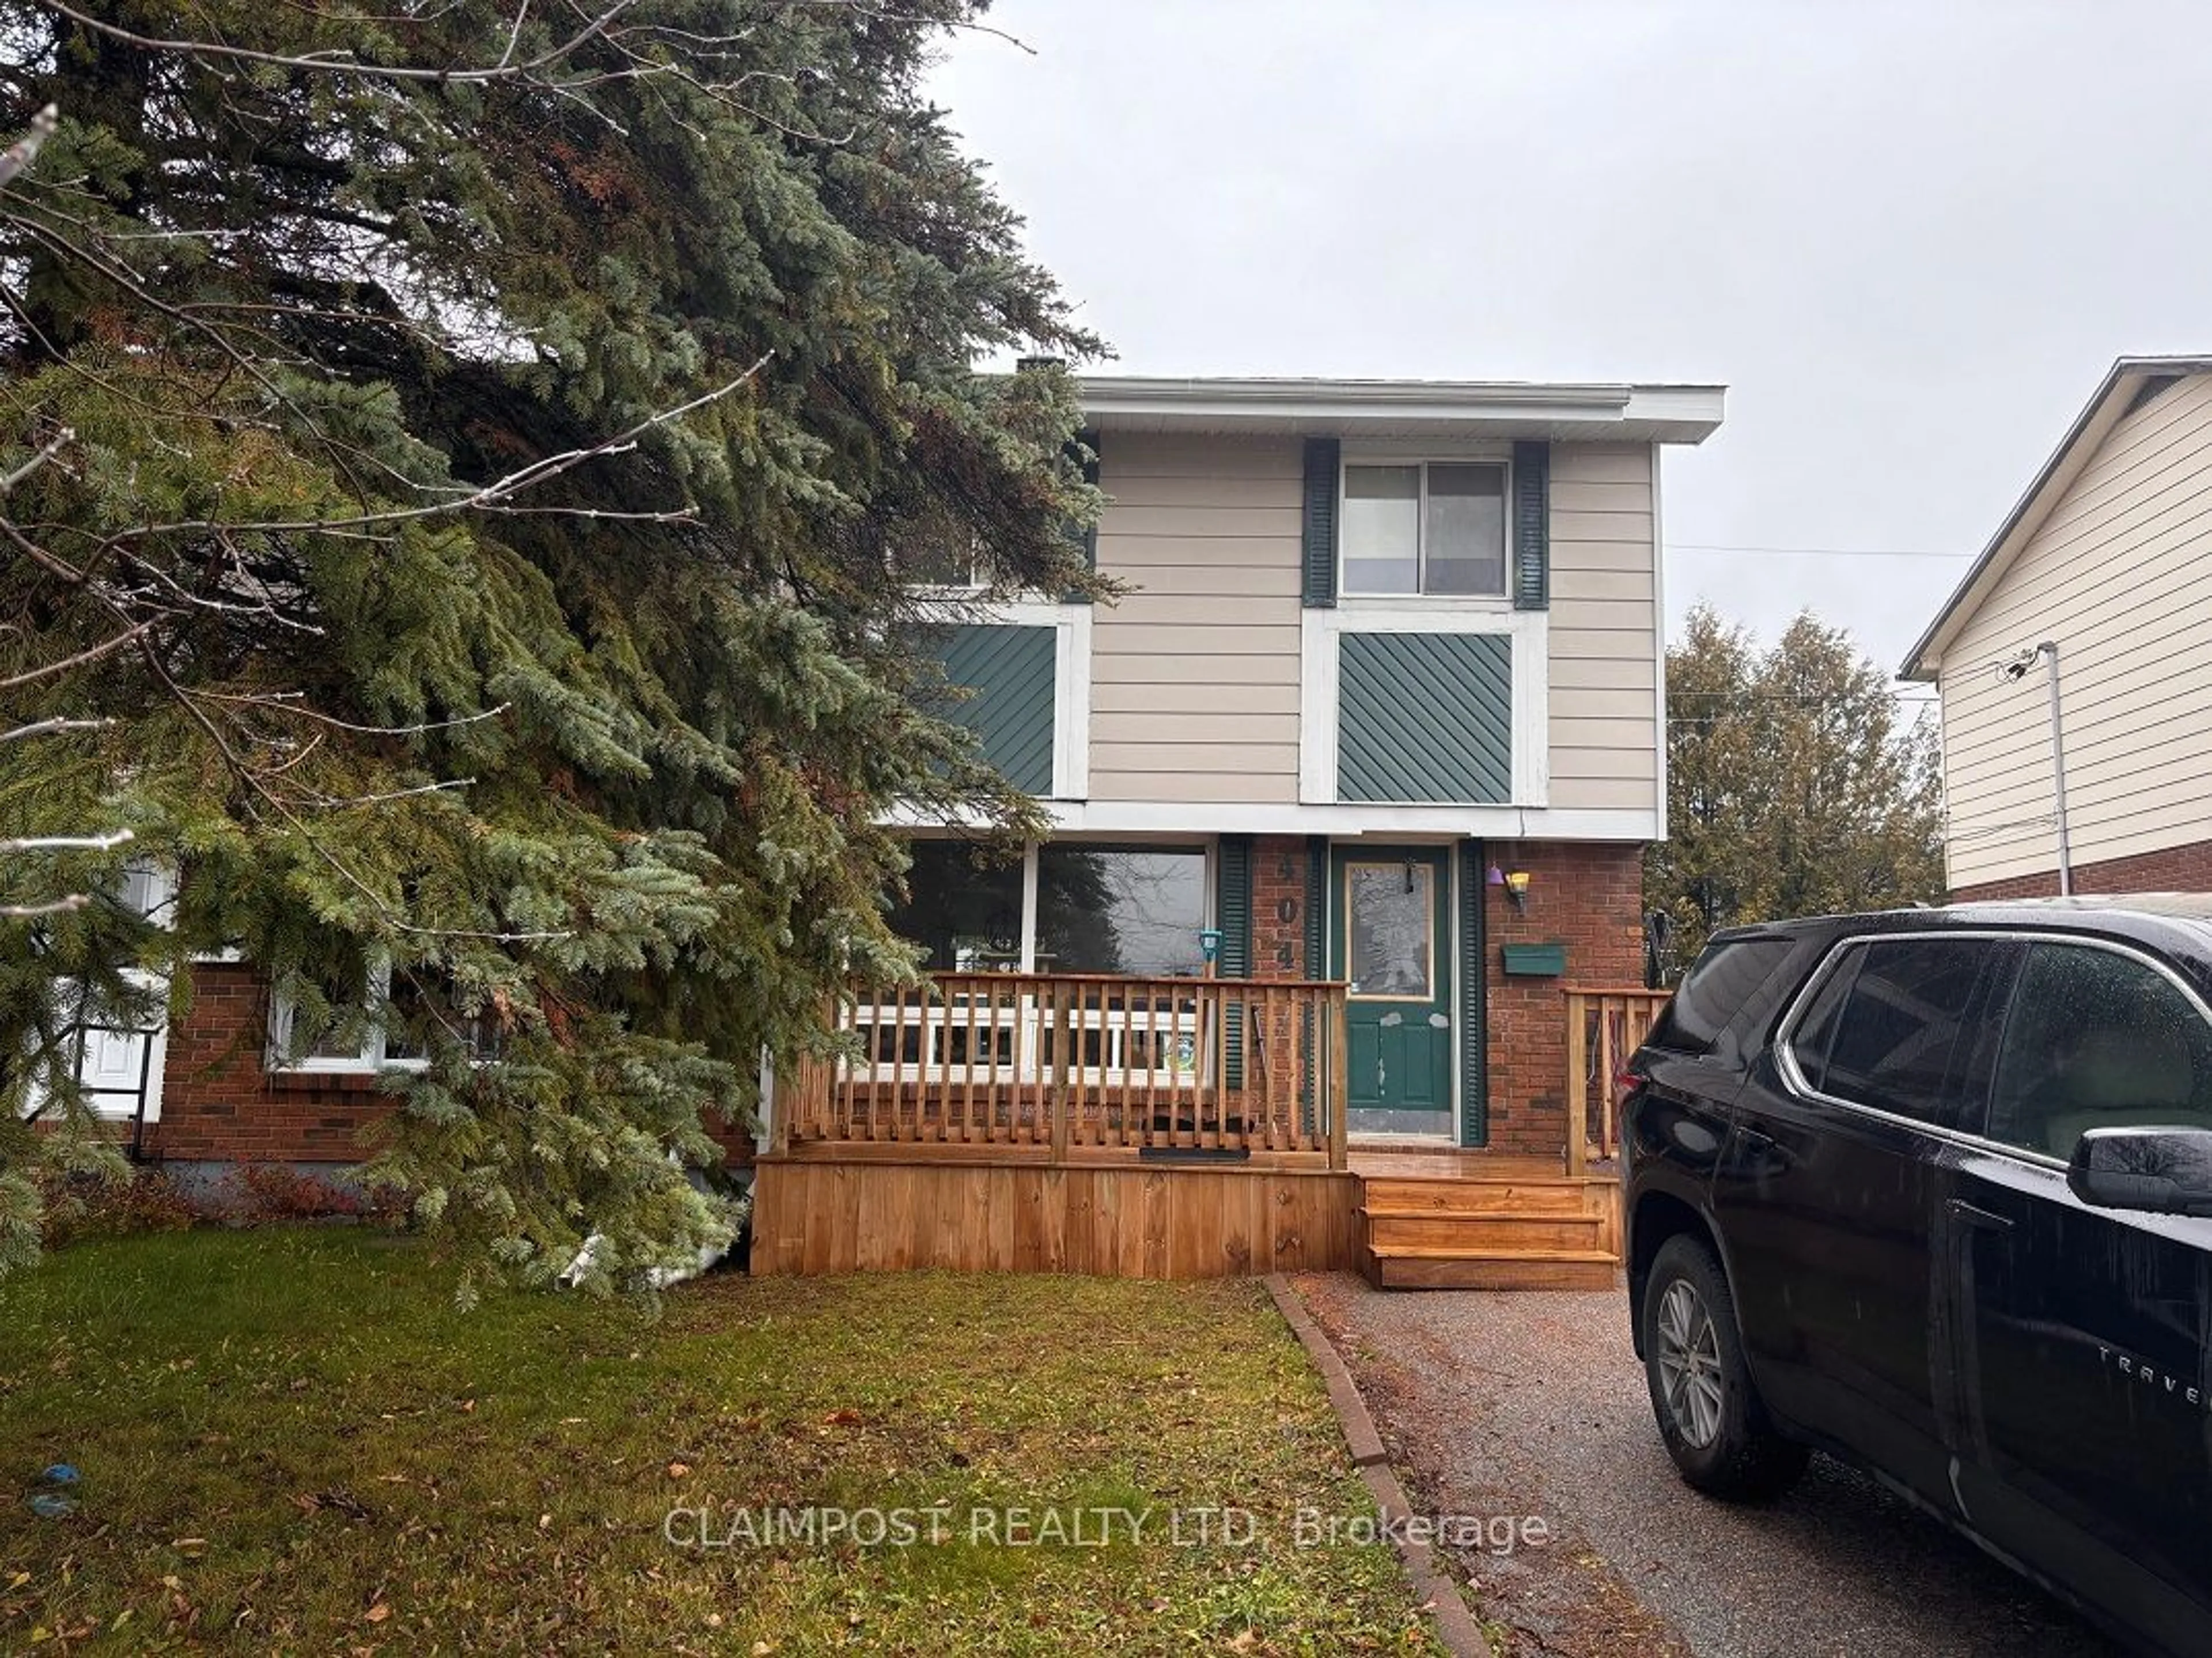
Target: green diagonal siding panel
1010	672
1425	717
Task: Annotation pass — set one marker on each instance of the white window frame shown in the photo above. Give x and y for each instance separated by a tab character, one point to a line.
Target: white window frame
1320	675
1497	455
1210	845
377	991
1025	1016
955	591
1071	676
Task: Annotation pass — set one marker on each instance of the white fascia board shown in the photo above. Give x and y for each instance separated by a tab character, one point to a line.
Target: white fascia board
1236	817
1671	413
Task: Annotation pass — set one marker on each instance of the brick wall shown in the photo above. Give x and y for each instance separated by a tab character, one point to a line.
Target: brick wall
1590	898
1279	908
219	1105
2170	869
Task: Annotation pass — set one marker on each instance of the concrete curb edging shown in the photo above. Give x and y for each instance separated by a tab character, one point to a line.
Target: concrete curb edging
1455	1626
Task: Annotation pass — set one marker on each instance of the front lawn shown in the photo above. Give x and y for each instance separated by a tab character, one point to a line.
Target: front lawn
291	1438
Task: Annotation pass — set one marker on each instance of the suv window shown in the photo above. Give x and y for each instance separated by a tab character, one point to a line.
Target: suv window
1816	1027
1714	991
2097	1039
1892	1028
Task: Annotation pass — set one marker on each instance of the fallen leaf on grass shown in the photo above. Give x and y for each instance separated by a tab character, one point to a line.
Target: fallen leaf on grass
846	1417
678	1470
377	1613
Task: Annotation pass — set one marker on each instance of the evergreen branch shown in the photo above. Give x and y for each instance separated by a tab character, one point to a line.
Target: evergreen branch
288	703
298	825
486	498
344	62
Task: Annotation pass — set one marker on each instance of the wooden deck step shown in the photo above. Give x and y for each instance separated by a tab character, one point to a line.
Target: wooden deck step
1464	1197
1492	1269
1426	1229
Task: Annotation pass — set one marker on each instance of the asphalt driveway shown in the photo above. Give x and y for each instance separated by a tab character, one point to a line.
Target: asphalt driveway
1528	1405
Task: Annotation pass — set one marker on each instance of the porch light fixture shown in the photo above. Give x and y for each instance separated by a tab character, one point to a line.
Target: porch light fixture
1515	883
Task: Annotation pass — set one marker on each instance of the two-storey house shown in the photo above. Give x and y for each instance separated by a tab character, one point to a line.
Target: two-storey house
1347	790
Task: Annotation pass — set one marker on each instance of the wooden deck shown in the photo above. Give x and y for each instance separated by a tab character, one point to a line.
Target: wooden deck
1407	1220
1163	1128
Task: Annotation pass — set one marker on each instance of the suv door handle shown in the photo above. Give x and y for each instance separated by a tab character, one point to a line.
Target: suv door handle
1982	1218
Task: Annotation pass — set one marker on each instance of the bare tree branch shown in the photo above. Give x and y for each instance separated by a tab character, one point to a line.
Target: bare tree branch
25	151
106	842
59	722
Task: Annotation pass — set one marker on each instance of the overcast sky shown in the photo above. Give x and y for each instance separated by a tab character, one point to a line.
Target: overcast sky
1910	239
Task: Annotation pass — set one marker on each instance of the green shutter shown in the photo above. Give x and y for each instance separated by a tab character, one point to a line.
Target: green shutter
1233	906
1089	534
1010	673
1424	718
1322	456
1316	919
1532	526
1474	1000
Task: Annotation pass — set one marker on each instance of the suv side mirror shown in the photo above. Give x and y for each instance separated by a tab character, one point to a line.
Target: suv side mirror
2161	1171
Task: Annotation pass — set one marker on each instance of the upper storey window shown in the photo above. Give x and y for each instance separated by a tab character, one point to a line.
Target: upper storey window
1424	527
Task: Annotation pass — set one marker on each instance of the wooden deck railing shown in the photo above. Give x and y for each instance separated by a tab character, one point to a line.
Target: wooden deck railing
1605	1025
1072	1062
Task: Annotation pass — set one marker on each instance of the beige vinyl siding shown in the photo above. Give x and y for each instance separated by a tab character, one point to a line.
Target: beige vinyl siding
2117	576
1603	629
1195	674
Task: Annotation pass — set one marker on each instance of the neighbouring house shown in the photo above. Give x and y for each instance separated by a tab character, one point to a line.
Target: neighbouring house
1338	930
2073	663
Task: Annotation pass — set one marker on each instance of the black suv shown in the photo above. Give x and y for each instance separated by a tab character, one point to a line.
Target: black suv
1932	1189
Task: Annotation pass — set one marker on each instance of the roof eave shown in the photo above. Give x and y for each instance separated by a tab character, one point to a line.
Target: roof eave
1669	413
2098	418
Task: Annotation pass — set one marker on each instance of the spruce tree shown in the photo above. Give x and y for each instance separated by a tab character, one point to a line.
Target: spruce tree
462	462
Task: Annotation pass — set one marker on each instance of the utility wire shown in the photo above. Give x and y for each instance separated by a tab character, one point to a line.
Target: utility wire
1808	552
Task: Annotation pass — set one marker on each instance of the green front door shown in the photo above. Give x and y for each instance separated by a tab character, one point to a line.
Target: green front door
1391	940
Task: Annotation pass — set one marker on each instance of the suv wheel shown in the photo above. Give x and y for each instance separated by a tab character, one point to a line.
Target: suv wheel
1709	1415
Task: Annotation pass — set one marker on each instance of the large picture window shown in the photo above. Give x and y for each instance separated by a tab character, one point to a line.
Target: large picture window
1120	909
964	907
1067	907
1427	527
